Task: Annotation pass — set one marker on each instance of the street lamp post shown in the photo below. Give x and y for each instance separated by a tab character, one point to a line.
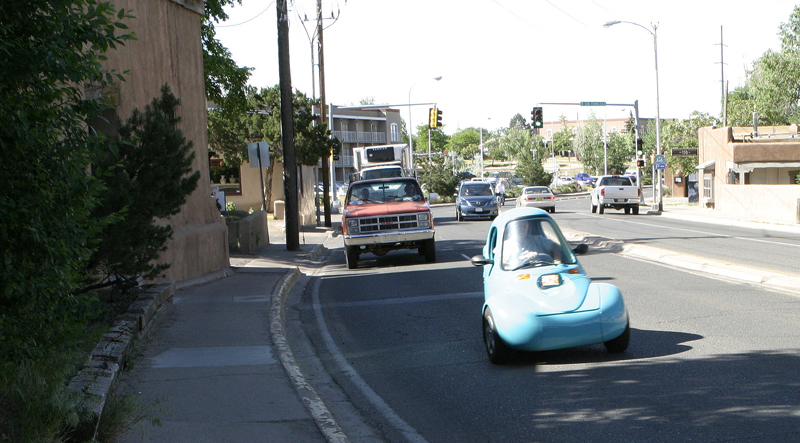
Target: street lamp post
411	125
654	33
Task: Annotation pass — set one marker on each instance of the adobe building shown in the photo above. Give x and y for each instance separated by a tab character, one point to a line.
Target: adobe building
168	50
750	175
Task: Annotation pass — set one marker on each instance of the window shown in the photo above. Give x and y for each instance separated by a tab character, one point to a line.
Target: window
708	186
394	133
227	178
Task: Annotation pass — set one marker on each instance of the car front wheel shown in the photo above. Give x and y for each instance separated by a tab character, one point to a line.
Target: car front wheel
351	257
619	344
496	349
430	250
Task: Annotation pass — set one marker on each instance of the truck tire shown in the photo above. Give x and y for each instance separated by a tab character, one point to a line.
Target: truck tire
601	209
636	210
351	256
627	210
594	208
430	250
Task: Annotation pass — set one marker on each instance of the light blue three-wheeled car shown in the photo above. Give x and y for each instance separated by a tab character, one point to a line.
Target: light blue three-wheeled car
537	296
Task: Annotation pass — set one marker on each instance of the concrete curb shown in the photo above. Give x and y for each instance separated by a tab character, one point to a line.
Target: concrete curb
311	400
99	376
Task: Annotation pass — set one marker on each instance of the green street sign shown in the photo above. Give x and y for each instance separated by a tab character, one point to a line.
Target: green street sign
593	103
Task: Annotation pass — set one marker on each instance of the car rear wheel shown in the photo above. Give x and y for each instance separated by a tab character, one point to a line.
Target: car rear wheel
351	256
553	210
636	210
601	209
594	208
627	210
496	349
619	344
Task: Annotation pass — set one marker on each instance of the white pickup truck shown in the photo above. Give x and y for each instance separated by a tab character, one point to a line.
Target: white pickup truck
615	191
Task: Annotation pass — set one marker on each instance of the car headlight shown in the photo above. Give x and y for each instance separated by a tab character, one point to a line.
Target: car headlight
352	222
424	216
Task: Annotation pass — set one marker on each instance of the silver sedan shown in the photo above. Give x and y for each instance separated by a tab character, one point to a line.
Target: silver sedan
537	197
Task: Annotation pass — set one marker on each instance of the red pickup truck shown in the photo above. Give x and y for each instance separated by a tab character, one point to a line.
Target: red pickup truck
384	215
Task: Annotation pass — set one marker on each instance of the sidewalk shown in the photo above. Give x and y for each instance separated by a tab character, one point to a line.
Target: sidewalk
214	366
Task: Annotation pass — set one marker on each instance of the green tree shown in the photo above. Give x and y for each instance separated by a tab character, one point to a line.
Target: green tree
147	172
465	142
589	146
682	134
226	82
562	140
229	133
518	122
620	152
772	88
529	166
49	50
438	140
437	176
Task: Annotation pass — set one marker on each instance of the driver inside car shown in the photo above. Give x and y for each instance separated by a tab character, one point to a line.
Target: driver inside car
524	241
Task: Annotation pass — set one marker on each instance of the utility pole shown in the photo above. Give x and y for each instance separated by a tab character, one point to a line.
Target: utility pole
326	170
287	131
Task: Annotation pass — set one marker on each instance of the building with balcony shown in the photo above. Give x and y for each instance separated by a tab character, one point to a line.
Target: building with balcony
358	126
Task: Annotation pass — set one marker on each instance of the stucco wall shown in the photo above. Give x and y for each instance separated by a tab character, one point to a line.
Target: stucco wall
168	50
251	191
754	202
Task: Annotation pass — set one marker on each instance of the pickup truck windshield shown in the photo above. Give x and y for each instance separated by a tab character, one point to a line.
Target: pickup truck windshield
382	192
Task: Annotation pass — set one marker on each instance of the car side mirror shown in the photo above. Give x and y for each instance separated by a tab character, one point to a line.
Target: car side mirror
480	260
582	248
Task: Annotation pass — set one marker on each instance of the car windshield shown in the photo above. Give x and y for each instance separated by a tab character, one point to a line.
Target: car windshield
534	242
382	192
478	190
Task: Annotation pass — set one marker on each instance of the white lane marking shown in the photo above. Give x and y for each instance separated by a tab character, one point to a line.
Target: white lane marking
388	413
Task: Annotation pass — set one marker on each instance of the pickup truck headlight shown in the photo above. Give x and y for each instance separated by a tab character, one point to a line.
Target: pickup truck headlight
424	216
352	225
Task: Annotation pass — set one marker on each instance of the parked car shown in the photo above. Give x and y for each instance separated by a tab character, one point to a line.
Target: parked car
537	296
562	181
584	179
466	175
537	197
476	199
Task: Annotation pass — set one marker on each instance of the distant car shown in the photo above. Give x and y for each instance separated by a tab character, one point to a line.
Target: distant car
562	181
537	197
476	199
466	175
584	179
537	296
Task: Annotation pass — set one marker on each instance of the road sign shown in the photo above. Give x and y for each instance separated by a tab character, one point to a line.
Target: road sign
660	162
258	151
593	103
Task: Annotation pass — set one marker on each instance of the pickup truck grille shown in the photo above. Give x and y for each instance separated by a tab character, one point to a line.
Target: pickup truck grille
386	223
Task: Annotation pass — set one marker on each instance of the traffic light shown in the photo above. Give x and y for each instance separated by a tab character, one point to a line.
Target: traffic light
536	116
639	147
435	118
336	151
640	163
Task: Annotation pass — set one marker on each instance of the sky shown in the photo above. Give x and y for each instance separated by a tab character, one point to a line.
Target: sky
499	58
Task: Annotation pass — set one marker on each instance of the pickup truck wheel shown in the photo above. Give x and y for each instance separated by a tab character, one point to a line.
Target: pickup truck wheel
496	349
619	344
594	209
601	209
430	250
351	257
636	210
627	210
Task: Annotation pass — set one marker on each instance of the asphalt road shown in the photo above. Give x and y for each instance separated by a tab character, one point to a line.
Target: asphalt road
397	342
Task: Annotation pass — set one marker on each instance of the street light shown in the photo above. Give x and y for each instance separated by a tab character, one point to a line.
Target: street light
411	125
654	33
